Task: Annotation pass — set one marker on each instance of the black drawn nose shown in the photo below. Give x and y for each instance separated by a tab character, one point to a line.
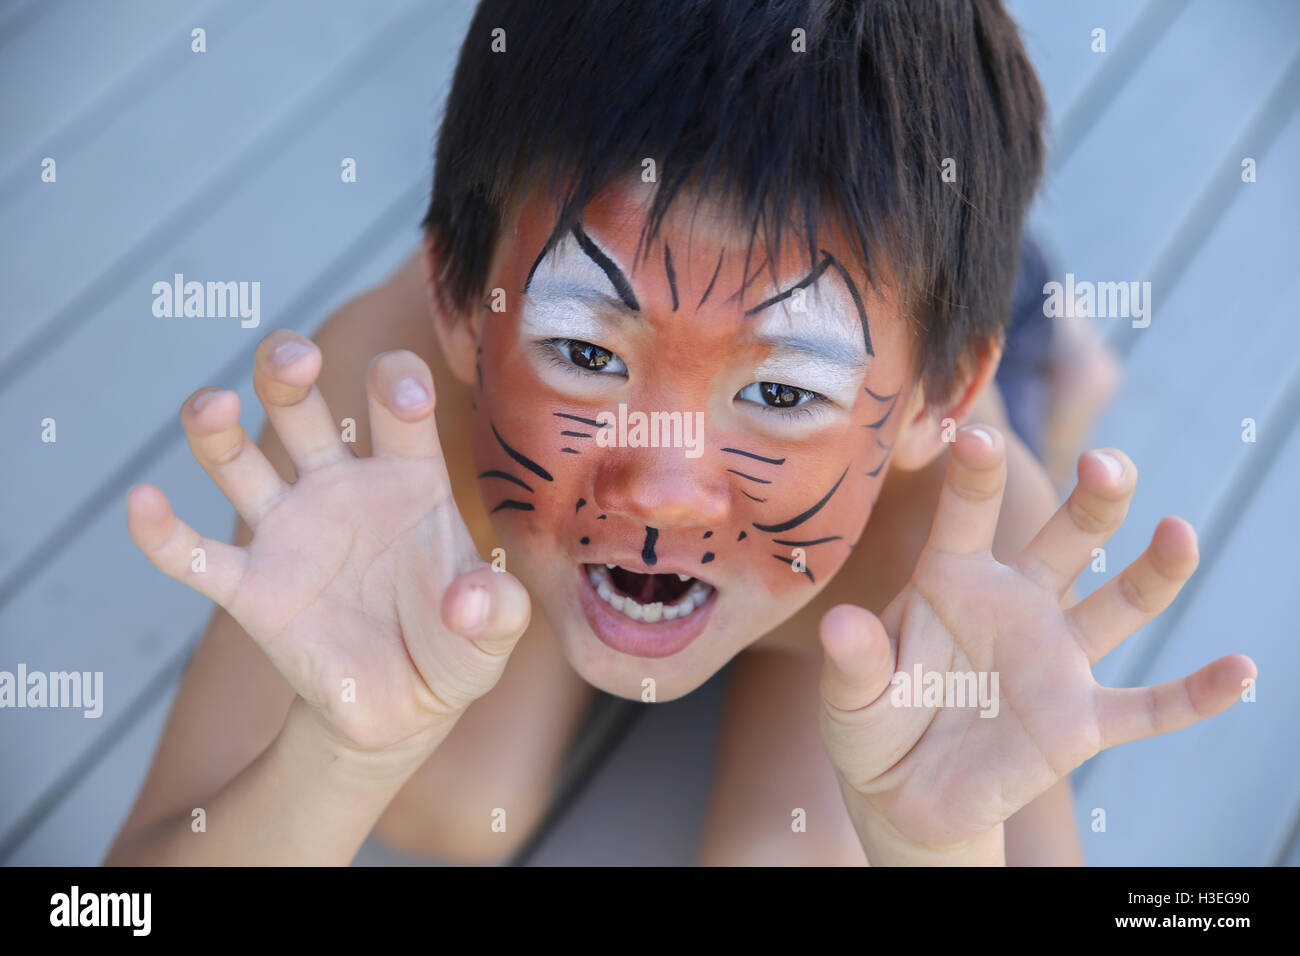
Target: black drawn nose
648	549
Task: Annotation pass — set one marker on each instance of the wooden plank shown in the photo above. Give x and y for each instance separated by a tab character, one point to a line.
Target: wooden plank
81	829
646	805
78	55
315	219
1058	37
100	606
161	164
1113	204
1217	792
1212	356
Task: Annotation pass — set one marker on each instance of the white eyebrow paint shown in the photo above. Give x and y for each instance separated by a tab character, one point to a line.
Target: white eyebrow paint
820	349
567	271
560	316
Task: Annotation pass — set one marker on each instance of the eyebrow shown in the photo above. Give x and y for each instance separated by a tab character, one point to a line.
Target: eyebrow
834	351
828	261
828	349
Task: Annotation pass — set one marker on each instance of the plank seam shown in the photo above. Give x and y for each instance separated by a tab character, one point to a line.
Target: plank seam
100	114
191	213
306	306
1217	196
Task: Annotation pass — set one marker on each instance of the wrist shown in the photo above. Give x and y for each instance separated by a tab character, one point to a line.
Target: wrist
311	745
884	845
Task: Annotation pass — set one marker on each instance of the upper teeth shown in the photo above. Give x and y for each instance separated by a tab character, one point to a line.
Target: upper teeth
695	595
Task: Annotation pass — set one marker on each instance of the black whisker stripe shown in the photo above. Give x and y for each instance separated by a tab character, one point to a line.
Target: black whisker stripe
800	519
761	481
751	497
716	270
803	283
672	276
479	371
875	471
708	534
807	544
615	274
507	476
575	434
581	502
790	561
511	505
586	421
885	419
569	451
524	460
750	454
881	398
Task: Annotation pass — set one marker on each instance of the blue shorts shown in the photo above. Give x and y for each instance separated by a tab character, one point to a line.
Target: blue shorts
1023	375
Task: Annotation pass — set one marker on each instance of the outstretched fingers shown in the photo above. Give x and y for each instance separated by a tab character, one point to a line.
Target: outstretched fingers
213	568
285	369
1096	507
399	387
1108	616
967	515
236	465
1134	713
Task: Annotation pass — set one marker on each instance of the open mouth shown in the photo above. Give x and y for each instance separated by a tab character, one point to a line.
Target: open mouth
647	597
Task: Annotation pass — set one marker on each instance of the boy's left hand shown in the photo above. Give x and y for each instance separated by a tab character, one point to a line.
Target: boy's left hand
933	784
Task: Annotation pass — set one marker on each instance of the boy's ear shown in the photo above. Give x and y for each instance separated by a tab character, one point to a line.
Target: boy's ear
457	332
927	429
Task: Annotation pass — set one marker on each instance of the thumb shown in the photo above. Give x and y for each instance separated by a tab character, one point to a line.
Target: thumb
489	607
859	660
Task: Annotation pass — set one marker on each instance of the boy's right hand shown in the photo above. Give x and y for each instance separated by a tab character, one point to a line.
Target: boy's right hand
362	570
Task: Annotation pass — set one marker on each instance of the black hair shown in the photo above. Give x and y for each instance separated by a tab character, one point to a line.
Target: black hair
854	129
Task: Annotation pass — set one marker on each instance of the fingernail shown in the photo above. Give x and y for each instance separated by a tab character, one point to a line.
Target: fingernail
475	610
409	393
198	403
286	353
1113	464
979	433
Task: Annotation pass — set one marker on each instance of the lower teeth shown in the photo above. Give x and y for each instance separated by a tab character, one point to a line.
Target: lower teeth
695	595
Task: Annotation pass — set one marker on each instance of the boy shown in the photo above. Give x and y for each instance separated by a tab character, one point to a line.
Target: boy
742	215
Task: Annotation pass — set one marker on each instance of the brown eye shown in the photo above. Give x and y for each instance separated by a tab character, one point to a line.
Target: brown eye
778	395
588	356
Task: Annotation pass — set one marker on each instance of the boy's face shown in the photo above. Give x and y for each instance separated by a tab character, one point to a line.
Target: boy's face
773	430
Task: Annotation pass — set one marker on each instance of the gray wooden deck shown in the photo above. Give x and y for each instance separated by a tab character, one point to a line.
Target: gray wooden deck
226	165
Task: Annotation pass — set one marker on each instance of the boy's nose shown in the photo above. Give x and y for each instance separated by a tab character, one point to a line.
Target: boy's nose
663	489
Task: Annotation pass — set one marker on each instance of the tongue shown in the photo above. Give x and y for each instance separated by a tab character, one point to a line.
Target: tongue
648	588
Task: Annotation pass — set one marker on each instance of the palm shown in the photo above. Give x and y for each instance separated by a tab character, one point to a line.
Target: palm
943	775
361	583
333	611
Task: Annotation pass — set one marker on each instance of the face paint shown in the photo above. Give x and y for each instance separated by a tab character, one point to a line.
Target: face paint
792	456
